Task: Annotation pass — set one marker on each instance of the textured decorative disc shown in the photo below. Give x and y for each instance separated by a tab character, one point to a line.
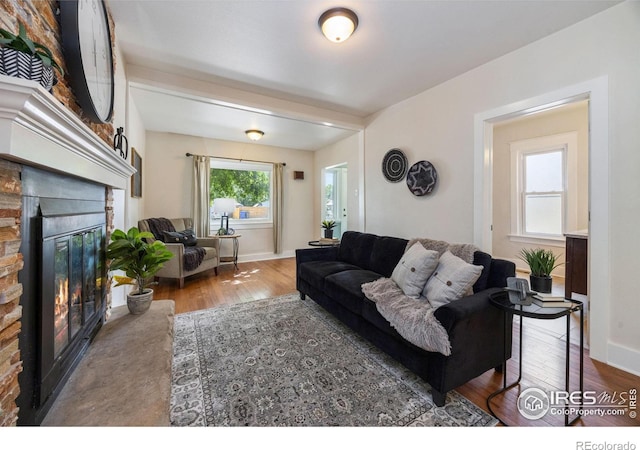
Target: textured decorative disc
394	165
422	178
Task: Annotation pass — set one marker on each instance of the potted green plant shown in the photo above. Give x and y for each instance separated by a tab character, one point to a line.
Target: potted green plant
328	226
140	260
541	263
37	66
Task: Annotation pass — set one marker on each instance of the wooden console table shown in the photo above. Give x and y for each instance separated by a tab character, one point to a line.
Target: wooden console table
576	263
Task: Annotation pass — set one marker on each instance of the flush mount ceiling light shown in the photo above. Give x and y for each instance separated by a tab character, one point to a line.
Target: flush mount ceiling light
337	24
254	135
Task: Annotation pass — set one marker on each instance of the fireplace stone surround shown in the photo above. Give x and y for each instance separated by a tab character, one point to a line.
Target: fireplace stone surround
38	132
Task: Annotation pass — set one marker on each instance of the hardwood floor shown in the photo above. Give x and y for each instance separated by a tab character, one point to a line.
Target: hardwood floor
543	358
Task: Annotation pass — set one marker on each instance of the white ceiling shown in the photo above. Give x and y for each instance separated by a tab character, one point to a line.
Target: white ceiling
275	50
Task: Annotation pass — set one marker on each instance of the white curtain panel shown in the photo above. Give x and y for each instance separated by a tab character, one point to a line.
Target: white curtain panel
278	187
200	203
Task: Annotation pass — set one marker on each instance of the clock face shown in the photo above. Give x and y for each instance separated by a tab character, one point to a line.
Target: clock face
87	46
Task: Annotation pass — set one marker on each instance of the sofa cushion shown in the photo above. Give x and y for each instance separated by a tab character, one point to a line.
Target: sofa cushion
451	280
210	253
414	269
385	254
482	259
372	315
355	248
346	288
315	272
180	224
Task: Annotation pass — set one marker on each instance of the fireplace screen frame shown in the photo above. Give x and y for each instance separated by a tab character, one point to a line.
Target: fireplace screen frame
54	231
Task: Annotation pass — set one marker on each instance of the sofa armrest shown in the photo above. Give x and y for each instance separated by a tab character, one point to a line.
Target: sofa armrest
209	242
316	254
174	265
457	311
473	322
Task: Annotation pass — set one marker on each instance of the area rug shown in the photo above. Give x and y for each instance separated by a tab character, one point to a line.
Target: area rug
287	362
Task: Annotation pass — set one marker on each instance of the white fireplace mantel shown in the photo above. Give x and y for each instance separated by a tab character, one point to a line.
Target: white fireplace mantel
36	129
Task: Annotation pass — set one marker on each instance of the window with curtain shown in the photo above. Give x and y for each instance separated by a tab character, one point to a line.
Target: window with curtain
250	184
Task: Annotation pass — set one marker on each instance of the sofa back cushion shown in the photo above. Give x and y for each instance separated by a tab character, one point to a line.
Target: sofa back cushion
482	259
355	248
385	254
379	254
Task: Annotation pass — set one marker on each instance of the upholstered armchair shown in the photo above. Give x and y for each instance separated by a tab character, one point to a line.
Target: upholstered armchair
178	267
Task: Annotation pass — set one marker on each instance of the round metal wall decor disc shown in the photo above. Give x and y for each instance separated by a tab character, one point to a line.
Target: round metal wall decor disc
394	165
422	178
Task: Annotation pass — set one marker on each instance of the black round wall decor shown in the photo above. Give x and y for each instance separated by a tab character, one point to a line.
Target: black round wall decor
422	178
394	165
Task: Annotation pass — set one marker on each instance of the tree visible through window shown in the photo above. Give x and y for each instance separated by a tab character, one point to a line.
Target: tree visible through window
248	183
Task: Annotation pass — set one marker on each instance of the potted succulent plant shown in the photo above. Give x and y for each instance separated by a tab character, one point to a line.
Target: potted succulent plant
140	261
328	226
541	263
22	58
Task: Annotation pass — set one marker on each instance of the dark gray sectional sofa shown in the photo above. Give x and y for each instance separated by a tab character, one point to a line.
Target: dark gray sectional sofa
333	276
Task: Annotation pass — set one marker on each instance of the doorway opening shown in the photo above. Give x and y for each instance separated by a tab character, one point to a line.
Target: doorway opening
598	267
540	197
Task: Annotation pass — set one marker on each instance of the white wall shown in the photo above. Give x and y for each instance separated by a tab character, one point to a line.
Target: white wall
438	125
574	117
167	185
127	210
346	151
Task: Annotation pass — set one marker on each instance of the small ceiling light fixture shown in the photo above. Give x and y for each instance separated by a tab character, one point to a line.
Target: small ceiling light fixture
254	135
337	24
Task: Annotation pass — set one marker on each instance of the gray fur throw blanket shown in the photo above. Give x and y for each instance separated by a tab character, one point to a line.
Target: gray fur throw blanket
463	251
413	319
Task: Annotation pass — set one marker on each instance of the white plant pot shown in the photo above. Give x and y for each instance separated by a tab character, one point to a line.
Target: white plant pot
139	303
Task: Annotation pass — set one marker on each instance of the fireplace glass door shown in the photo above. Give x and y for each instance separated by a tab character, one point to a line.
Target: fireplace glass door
73	280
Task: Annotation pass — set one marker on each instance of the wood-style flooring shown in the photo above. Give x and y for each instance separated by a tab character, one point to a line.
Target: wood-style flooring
543	356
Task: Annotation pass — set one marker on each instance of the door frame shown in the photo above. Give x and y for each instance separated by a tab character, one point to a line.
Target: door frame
597	92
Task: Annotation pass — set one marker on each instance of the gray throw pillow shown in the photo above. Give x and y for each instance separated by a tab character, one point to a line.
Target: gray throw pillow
414	269
186	237
451	280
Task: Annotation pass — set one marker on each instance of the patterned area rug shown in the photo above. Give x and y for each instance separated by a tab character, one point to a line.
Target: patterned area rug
287	362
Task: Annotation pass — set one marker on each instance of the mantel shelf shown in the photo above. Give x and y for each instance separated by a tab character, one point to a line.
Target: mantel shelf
36	129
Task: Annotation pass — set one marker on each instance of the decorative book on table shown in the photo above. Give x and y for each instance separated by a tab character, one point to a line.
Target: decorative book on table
329	240
548	297
552	303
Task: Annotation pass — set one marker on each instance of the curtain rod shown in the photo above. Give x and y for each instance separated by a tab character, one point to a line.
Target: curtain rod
235	159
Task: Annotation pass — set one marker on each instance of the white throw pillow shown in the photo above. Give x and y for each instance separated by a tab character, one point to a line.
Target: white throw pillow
451	280
414	269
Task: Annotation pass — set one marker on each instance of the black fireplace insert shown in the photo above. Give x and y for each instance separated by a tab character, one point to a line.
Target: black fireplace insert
72	288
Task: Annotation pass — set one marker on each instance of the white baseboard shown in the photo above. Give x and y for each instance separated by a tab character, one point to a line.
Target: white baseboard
624	358
266	256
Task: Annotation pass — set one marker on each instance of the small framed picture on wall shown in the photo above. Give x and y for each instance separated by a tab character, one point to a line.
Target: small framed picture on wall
136	178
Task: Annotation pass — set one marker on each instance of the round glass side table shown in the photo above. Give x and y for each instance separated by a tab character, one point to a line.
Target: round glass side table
534	311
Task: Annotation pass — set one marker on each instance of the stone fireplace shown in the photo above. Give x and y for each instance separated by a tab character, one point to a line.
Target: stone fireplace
56	183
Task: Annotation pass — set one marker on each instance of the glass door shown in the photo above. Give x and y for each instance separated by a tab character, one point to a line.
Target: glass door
334	200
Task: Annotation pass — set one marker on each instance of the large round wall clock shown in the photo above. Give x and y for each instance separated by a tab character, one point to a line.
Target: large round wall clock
86	42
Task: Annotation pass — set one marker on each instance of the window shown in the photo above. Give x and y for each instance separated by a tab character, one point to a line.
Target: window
543	196
543	201
250	184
